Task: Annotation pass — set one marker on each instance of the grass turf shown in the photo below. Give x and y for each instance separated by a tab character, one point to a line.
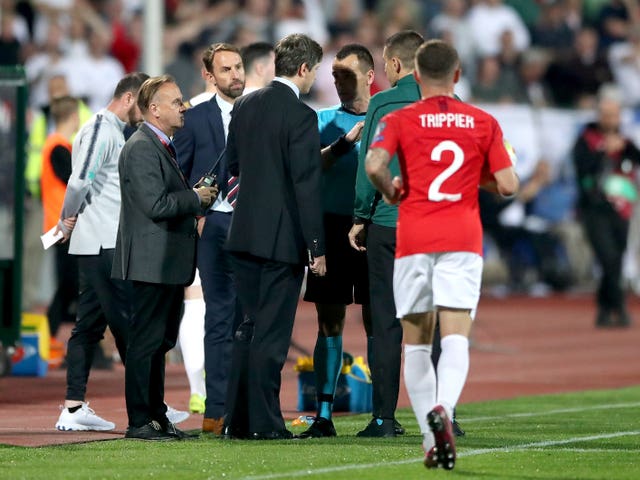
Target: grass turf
588	435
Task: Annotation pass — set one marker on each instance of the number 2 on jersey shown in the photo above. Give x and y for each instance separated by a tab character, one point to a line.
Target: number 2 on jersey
435	195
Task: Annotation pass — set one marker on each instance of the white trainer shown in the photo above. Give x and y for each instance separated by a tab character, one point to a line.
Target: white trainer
82	419
176	416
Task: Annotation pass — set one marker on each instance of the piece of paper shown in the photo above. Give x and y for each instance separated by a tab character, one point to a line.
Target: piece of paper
50	238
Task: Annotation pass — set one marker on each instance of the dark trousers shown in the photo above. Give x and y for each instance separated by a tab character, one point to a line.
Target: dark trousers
60	310
387	330
607	233
268	293
102	301
153	332
222	313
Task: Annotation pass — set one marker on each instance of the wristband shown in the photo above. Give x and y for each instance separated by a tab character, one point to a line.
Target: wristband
341	146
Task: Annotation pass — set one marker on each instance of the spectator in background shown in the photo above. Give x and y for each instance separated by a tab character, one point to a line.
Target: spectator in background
9	44
624	58
576	77
492	85
488	19
259	65
615	19
552	29
606	166
534	89
451	24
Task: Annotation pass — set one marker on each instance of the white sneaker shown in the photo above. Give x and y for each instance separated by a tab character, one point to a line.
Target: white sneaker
82	419
176	416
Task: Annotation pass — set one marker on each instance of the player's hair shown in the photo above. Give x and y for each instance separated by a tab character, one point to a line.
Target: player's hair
255	52
437	60
403	45
63	107
210	52
149	88
295	50
365	59
130	83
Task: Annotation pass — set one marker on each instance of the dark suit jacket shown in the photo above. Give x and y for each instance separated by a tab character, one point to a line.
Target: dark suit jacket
157	234
196	146
274	146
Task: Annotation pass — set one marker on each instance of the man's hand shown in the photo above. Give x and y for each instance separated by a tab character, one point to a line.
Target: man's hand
319	266
394	198
207	195
200	225
355	133
66	226
357	237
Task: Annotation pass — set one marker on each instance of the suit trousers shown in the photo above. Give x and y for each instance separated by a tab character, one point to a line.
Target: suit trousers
103	301
222	314
387	330
153	332
268	292
60	309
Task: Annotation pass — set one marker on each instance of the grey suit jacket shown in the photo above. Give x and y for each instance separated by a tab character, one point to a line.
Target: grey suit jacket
157	234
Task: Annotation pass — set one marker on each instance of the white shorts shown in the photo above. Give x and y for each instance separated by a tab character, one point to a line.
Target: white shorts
424	281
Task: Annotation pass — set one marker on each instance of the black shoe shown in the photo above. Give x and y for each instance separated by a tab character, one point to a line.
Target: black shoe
231	433
378	427
171	429
624	319
399	429
150	431
603	319
457	429
275	435
321	427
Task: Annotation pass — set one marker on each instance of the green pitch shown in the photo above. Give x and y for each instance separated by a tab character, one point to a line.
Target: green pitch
582	436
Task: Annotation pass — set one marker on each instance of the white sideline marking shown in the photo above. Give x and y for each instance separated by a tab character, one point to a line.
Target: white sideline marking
553	412
467	453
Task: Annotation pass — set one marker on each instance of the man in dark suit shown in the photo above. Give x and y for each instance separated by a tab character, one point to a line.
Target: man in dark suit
198	145
274	146
155	248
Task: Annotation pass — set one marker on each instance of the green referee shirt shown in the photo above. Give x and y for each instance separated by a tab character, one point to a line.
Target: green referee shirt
369	204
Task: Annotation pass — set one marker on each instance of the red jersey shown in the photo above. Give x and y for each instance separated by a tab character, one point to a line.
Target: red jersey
442	145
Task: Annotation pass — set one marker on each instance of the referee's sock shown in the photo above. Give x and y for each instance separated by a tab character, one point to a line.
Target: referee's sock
327	363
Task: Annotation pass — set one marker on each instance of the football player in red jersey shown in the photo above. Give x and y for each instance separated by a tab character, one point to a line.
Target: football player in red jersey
443	145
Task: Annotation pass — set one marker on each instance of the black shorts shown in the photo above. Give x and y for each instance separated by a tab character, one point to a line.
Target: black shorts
347	278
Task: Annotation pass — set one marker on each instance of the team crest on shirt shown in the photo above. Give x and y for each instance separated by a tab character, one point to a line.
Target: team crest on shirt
378	137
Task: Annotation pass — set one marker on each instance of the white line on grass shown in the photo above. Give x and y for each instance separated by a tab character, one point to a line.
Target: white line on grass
466	453
552	412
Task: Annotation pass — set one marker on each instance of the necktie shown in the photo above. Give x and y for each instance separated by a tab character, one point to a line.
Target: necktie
232	188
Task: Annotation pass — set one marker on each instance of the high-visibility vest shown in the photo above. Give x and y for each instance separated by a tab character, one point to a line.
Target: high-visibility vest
52	188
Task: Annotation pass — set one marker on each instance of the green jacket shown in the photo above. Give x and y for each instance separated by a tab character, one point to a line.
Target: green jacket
369	205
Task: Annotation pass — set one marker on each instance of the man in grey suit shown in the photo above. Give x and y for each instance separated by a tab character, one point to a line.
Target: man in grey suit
93	197
274	146
155	249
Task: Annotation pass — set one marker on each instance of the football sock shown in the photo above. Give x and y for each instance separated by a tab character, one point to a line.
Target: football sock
327	363
191	340
420	381
452	371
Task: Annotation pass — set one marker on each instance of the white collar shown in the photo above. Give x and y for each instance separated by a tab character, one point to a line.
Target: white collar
225	107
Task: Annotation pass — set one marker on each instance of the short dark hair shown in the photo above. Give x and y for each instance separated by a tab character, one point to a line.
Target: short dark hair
403	45
436	59
210	52
63	107
130	83
254	52
149	88
294	50
365	59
